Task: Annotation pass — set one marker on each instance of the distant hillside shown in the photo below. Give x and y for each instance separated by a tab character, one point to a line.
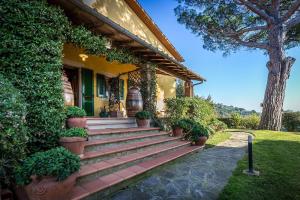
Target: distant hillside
226	111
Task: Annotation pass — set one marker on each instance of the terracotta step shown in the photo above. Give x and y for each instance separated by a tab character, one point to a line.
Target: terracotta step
92	171
97	144
119	132
97	187
96	156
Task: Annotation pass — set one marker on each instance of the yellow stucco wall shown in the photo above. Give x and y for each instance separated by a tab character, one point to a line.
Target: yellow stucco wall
166	88
122	14
98	65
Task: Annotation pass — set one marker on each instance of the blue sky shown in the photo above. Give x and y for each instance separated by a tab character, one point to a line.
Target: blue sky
238	79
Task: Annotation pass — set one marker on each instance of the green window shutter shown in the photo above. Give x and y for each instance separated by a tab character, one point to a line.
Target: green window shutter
101	86
121	87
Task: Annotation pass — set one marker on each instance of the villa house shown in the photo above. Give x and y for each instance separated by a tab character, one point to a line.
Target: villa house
117	151
126	24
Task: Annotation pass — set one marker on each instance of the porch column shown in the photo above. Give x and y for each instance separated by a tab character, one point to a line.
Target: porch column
148	74
188	88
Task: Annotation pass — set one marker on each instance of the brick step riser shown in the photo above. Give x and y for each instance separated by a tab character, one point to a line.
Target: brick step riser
91	122
120	135
123	153
100	147
106	126
108	192
125	165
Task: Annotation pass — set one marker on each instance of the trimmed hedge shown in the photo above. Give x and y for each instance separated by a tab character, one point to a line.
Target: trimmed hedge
291	121
74	132
13	136
31	35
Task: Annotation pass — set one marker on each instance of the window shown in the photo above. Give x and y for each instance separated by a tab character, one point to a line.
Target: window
121	89
101	86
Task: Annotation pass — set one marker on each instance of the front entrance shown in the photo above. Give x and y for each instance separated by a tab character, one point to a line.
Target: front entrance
88	91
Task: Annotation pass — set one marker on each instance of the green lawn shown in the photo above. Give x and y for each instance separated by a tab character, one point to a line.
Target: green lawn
216	139
277	157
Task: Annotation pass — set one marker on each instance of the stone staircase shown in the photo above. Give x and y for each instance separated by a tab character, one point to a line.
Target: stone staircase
114	157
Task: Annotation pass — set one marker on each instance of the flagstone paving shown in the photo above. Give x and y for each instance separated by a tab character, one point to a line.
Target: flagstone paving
199	176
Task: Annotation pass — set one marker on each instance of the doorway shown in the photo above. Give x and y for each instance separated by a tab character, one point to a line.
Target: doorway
87	77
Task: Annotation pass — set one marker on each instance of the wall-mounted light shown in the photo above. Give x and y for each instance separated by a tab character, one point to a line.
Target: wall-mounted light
83	57
108	43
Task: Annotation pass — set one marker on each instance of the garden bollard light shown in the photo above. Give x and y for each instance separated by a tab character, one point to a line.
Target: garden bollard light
250	171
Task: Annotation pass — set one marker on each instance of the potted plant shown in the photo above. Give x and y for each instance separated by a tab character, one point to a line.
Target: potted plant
48	175
76	117
143	119
73	139
199	135
178	127
103	113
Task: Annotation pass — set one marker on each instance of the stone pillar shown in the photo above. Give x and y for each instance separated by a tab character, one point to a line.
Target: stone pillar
148	77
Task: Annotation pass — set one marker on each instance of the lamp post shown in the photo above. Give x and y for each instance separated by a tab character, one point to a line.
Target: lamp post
250	171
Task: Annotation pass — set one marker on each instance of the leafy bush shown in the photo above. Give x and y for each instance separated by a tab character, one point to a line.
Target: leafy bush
57	162
74	111
143	115
250	122
181	123
195	108
198	131
74	132
217	125
291	121
13	132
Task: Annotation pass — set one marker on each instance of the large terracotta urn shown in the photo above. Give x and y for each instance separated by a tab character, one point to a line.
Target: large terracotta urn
134	101
68	91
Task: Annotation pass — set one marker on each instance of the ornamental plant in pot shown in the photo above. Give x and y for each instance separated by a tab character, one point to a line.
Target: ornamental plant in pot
48	175
76	117
73	139
143	119
199	135
178	127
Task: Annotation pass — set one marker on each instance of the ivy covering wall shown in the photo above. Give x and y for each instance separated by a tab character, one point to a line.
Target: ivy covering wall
32	35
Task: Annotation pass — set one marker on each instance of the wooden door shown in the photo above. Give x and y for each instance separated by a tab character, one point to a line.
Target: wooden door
88	91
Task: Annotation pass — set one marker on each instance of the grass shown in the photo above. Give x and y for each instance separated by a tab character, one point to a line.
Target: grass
277	157
216	139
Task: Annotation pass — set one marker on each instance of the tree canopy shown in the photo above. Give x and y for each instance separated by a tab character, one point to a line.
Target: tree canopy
228	25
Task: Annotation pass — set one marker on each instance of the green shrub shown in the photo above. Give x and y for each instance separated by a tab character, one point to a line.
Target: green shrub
13	132
57	162
195	108
143	115
198	131
291	121
74	132
217	125
74	111
250	122
181	123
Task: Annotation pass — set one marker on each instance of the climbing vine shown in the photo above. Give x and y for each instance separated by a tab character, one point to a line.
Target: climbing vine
148	91
32	35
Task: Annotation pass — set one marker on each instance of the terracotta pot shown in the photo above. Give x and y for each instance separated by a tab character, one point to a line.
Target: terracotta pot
143	123
73	144
79	122
47	188
177	132
201	141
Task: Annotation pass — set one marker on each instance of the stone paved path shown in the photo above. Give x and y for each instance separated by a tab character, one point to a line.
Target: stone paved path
199	176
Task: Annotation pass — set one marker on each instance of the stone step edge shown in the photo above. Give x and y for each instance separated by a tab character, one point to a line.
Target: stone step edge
95	142
119	130
111	123
104	182
109	118
114	162
121	148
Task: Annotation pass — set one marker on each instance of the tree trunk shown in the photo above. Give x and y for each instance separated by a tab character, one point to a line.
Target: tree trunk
271	117
279	68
